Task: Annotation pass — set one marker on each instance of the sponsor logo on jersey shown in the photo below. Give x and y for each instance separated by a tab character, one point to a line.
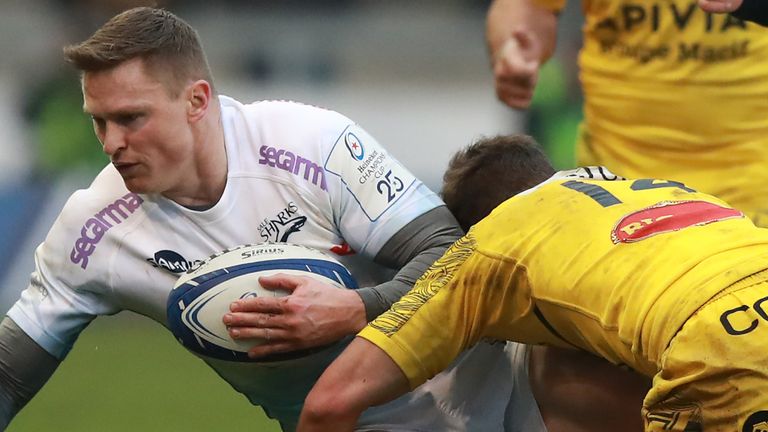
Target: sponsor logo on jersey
172	261
94	228
282	225
375	178
669	216
756	422
371	167
294	164
653	17
354	146
744	319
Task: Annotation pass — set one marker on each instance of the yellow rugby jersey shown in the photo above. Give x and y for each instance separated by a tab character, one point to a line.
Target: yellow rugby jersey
673	92
612	267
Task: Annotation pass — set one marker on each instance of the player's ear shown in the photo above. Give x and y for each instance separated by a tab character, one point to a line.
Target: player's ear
198	95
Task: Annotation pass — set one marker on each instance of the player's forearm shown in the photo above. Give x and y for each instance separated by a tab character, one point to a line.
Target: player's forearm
24	369
312	421
506	16
361	377
413	249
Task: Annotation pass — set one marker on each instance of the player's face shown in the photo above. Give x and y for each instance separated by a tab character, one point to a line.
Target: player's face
145	132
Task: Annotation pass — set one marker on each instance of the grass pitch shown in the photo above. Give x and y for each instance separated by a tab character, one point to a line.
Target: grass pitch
127	373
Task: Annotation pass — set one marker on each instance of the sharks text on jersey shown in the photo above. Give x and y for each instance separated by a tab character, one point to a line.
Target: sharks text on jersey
286	222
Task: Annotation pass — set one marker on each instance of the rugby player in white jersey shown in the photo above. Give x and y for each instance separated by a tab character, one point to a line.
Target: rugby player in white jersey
193	173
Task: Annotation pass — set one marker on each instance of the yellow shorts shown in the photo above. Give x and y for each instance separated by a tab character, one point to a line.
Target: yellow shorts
714	374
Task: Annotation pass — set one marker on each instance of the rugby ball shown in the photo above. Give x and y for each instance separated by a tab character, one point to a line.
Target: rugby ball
202	296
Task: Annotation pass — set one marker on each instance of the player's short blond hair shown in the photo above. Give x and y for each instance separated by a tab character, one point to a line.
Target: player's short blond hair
170	48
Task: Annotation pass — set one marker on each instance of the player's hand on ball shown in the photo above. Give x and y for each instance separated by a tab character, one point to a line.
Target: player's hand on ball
719	6
314	314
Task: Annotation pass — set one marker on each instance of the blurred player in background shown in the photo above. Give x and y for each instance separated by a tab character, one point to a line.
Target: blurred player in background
669	90
751	10
647	273
192	173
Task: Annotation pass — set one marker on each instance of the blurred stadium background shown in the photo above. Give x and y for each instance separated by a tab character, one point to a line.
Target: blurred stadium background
413	73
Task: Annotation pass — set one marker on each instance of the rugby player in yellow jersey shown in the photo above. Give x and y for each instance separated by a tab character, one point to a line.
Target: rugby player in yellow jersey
646	273
670	91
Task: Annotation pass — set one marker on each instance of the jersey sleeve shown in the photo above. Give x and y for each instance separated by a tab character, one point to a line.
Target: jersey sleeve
61	298
372	193
449	309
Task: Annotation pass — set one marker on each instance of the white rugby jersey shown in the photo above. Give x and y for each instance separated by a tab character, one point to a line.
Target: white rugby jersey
296	173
